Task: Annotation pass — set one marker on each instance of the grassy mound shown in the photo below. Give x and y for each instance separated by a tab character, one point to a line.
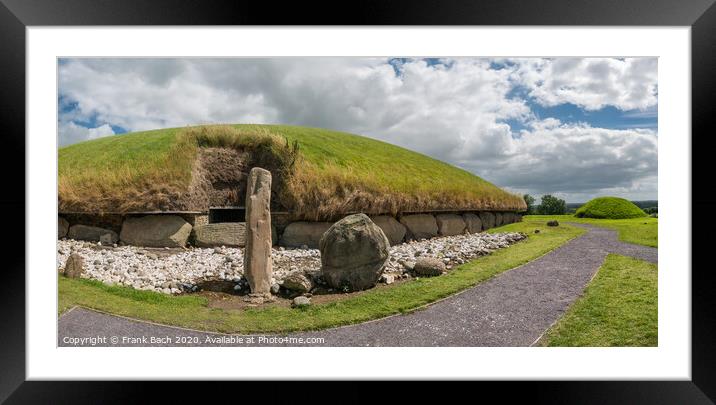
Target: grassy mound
609	208
318	173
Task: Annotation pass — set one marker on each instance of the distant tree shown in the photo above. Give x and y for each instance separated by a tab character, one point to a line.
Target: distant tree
530	201
551	205
651	210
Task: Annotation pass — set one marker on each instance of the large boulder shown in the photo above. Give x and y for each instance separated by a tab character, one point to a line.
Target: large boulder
220	234
498	219
62	227
488	220
450	224
91	233
74	266
472	223
429	266
420	226
353	253
155	231
394	230
298	234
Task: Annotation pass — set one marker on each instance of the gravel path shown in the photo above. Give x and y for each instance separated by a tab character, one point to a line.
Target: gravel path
512	309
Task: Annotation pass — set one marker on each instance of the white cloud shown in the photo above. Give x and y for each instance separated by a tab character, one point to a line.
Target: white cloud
578	161
72	133
455	111
592	83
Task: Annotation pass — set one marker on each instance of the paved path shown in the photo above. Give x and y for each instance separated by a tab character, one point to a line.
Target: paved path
511	309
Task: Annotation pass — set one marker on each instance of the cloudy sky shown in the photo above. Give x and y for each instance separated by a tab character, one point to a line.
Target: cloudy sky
572	127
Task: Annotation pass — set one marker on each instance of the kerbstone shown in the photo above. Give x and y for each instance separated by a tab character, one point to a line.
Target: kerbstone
298	234
488	220
155	231
220	234
90	233
472	223
450	224
62	227
420	226
394	230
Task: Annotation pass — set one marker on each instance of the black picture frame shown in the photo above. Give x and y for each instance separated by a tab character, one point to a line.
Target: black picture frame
16	15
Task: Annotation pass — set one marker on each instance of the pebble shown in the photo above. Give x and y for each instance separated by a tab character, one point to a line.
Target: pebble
183	270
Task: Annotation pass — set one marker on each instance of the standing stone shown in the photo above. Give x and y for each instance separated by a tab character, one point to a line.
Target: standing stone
74	266
353	253
257	257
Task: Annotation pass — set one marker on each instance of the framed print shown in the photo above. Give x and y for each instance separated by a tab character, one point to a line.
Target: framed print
465	191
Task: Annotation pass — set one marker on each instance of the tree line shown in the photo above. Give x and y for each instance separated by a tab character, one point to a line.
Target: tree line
549	205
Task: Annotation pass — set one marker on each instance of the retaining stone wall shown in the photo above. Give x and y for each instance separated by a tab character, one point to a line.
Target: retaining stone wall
403	228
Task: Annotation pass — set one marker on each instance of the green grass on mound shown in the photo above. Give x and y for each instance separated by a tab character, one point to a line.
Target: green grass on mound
193	312
642	231
320	172
618	308
609	208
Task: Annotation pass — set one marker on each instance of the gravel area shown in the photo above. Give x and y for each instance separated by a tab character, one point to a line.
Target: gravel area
512	309
174	271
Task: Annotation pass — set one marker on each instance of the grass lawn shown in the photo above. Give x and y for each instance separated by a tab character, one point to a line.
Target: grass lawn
332	172
618	308
642	231
192	311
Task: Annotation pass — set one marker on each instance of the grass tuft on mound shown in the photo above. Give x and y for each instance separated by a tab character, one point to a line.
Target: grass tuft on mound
318	173
609	208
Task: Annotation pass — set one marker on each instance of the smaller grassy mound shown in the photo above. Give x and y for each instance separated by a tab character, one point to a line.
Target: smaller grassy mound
609	208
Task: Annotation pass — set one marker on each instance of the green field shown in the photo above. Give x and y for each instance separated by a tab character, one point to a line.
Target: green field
642	231
320	173
193	312
618	308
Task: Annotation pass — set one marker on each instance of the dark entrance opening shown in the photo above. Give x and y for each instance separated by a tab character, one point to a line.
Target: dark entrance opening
227	214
